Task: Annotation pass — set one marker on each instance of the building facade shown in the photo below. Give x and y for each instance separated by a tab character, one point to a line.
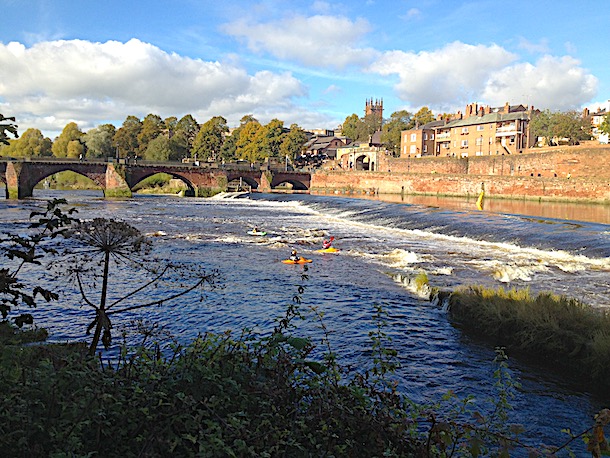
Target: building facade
479	131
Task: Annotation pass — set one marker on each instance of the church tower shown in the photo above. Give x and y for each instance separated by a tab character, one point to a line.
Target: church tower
374	108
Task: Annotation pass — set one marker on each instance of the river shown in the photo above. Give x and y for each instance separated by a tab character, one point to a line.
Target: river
383	245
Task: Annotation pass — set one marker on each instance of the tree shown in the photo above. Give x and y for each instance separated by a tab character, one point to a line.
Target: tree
103	245
31	143
126	138
352	127
7	127
184	135
605	125
271	137
70	133
558	126
158	149
423	116
99	141
293	142
152	126
209	140
249	144
391	133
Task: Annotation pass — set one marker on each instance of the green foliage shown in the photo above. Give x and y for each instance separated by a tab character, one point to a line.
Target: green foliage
605	125
391	133
126	137
293	142
559	330
209	140
558	126
99	141
30	249
7	128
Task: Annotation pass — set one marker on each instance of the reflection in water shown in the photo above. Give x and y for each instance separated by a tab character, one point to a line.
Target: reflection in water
596	213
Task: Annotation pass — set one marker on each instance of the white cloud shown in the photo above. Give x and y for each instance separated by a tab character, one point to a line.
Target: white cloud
53	83
318	41
451	75
557	83
457	74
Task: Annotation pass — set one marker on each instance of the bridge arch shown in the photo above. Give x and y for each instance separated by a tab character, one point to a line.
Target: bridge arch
141	177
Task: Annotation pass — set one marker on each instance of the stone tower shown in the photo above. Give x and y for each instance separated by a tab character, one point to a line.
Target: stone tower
374	108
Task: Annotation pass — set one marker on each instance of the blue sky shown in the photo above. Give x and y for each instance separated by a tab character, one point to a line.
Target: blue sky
307	62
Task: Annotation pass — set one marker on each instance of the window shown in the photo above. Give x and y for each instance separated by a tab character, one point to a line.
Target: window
464	144
413	137
479	141
425	148
413	149
431	136
425	136
480	127
464	130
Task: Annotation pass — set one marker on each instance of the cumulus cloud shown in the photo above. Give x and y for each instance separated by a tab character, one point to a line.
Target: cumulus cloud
318	41
450	77
74	80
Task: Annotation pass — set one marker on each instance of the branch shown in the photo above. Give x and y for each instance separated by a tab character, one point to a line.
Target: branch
158	302
136	291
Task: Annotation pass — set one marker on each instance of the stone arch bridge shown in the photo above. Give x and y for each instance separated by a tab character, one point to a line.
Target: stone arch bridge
119	179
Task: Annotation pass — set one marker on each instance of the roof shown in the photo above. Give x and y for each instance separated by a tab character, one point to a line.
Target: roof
487	119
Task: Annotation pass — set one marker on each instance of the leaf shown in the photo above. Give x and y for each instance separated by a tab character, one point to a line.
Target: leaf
298	342
316	366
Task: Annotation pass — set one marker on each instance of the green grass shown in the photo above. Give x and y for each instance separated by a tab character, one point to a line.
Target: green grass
559	330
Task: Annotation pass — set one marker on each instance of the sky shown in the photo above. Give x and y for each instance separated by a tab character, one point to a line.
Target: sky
312	63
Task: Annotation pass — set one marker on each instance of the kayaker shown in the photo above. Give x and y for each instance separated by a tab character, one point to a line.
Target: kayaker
327	243
255	230
293	255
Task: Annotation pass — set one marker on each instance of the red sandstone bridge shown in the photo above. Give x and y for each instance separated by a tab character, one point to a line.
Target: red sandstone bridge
119	179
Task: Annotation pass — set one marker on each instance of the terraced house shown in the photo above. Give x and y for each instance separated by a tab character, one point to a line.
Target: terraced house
476	132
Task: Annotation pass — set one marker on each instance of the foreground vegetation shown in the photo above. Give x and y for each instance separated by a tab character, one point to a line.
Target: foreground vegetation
221	395
558	330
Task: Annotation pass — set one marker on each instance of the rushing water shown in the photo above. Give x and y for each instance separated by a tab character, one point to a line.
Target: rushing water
383	245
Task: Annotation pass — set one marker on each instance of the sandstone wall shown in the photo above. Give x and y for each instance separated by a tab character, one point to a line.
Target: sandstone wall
561	173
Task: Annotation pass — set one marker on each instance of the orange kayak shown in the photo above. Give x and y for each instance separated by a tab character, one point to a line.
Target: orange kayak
300	261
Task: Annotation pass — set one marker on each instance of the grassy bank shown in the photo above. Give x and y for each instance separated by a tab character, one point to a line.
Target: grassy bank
555	329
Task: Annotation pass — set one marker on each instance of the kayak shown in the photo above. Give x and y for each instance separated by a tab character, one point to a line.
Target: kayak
330	249
300	261
259	233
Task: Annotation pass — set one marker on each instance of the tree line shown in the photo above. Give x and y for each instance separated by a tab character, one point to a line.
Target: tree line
173	139
170	139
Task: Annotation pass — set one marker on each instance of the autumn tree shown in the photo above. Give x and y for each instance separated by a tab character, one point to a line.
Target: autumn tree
209	140
423	116
70	133
248	147
31	143
99	141
126	137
